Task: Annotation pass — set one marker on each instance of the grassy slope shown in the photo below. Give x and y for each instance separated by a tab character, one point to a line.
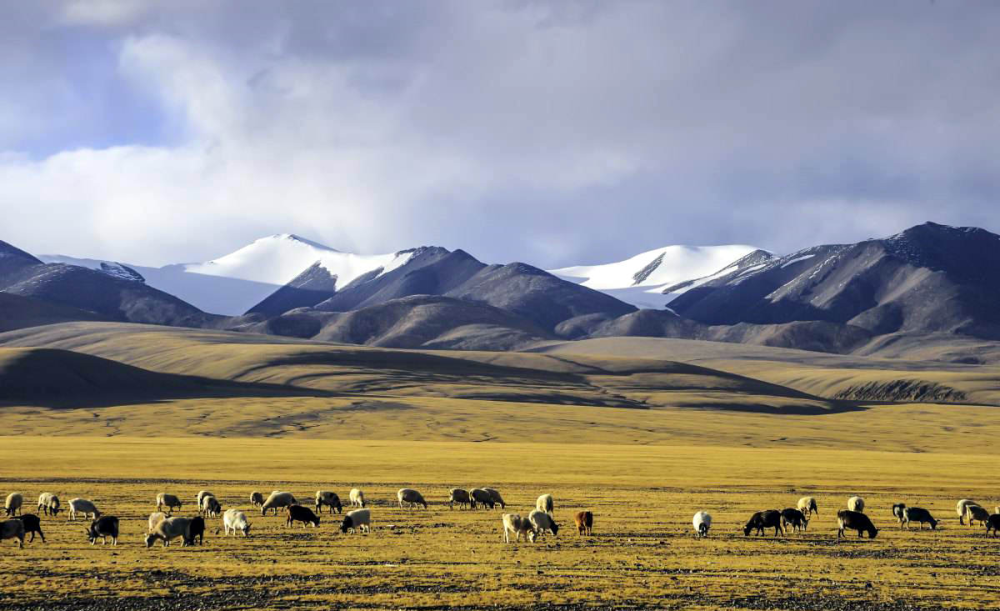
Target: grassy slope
646	557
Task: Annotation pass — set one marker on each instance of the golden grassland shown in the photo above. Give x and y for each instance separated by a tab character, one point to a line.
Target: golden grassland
642	554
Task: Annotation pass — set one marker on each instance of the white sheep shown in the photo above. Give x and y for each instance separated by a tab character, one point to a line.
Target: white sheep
960	508
235	520
87	508
545	503
154	519
329	499
702	522
411	497
13	503
48	503
202	494
169	529
516	525
210	506
359	520
807	505
278	500
12	529
542	522
856	503
357	498
167	500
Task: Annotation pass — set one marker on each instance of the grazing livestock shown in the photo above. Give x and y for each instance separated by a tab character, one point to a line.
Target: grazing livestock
87	508
542	522
807	505
298	513
411	497
256	499
357	498
702	523
544	503
960	508
196	528
12	529
497	499
899	510
48	503
460	496
919	515
584	522
103	527
167	500
201	495
359	520
235	520
330	499
855	520
32	524
993	523
210	506
170	529
975	513
516	525
481	497
13	503
764	519
277	500
154	519
794	517
856	503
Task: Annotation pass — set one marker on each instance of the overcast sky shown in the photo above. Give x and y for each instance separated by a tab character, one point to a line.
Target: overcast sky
554	133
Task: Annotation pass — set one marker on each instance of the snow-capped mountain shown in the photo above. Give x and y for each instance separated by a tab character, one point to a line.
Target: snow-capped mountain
642	279
111	268
234	283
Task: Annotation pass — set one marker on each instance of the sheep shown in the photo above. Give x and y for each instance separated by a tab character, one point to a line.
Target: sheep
103	527
516	525
855	520
899	510
807	505
235	520
542	521
993	523
13	503
48	503
154	519
256	499
544	503
479	496
584	523
298	513
960	508
169	529
167	500
202	494
358	520
920	516
87	508
497	499
411	497
794	517
702	523
277	500
210	506
196	529
357	498
460	496
856	503
32	524
330	499
975	513
12	529
770	518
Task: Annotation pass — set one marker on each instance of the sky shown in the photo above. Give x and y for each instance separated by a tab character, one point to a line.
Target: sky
556	133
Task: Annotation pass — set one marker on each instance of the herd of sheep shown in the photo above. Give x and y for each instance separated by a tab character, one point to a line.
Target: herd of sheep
164	527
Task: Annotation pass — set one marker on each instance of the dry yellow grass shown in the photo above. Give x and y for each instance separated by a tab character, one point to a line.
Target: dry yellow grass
642	553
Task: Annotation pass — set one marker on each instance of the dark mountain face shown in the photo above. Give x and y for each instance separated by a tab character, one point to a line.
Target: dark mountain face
927	279
309	288
18	312
13	259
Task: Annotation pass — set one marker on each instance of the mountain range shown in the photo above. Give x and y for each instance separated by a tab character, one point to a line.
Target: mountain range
928	280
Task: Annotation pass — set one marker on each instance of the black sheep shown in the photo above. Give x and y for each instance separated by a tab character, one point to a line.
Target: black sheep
32	524
196	528
298	513
855	520
764	519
